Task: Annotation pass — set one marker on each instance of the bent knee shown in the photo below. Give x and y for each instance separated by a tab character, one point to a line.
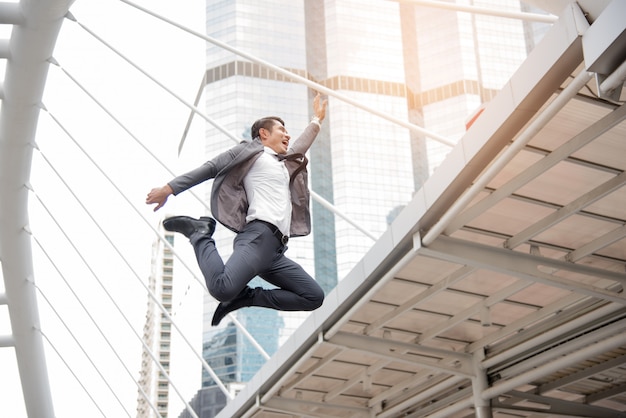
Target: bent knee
223	295
315	301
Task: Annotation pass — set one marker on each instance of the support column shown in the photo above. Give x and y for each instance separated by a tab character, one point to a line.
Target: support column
36	25
479	385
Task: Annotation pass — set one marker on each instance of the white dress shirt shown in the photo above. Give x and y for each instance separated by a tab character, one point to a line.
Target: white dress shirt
267	188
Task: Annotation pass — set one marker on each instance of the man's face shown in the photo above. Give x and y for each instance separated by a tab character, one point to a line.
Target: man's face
277	138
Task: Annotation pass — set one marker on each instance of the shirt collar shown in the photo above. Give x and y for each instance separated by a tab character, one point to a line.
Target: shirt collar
271	152
268	150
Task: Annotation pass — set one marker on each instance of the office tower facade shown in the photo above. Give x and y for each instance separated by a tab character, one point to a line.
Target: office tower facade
209	401
432	67
157	333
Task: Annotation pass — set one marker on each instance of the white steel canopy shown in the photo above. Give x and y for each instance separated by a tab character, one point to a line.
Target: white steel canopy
499	289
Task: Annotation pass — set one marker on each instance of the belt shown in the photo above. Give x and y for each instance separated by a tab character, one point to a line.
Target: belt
283	239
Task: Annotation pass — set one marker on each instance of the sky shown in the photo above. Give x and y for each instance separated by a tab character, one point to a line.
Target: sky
77	140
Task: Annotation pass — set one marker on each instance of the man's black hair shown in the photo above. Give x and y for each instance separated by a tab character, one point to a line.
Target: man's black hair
266	123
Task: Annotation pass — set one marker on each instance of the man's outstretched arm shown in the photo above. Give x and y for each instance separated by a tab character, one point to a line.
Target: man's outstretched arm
319	107
159	196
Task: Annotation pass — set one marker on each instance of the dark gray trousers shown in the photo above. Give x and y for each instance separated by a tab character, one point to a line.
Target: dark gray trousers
257	252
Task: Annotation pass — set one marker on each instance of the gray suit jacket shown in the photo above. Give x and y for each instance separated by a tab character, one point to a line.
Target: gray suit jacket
229	203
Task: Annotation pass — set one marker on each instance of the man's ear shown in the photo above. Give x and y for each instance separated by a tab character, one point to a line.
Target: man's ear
263	133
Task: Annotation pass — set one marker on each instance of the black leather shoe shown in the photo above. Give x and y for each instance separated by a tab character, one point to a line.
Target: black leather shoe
243	299
187	225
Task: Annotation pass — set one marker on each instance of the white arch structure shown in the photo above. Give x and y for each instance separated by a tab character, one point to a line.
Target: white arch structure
36	25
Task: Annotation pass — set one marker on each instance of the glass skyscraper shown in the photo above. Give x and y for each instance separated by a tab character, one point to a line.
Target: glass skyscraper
432	67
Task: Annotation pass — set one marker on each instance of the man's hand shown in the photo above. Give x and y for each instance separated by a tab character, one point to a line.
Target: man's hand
319	108
159	196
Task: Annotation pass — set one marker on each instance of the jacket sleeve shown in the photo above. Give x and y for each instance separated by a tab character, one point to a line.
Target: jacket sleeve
305	140
205	172
196	176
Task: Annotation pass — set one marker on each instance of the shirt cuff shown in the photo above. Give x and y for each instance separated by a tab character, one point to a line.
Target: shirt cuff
316	120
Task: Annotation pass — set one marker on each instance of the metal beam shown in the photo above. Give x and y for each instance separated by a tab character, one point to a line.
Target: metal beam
566	211
582	374
479	384
605	394
557	364
389	274
524	266
355	379
7	341
428	391
420	298
395	350
447	406
298	406
406	385
555	351
11	14
315	367
5	50
548	331
577	142
455	7
556	406
472	310
451	220
605	240
521	323
302	356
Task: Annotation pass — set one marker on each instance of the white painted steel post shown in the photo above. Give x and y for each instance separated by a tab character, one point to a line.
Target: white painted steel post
36	25
479	385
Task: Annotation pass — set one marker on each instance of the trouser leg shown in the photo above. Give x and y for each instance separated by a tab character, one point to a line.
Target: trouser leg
298	291
253	252
256	251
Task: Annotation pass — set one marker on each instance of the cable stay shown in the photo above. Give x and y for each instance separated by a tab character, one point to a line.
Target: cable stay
67	328
110	297
93	273
121	125
145	73
162	164
128	264
219	127
295	77
71	371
